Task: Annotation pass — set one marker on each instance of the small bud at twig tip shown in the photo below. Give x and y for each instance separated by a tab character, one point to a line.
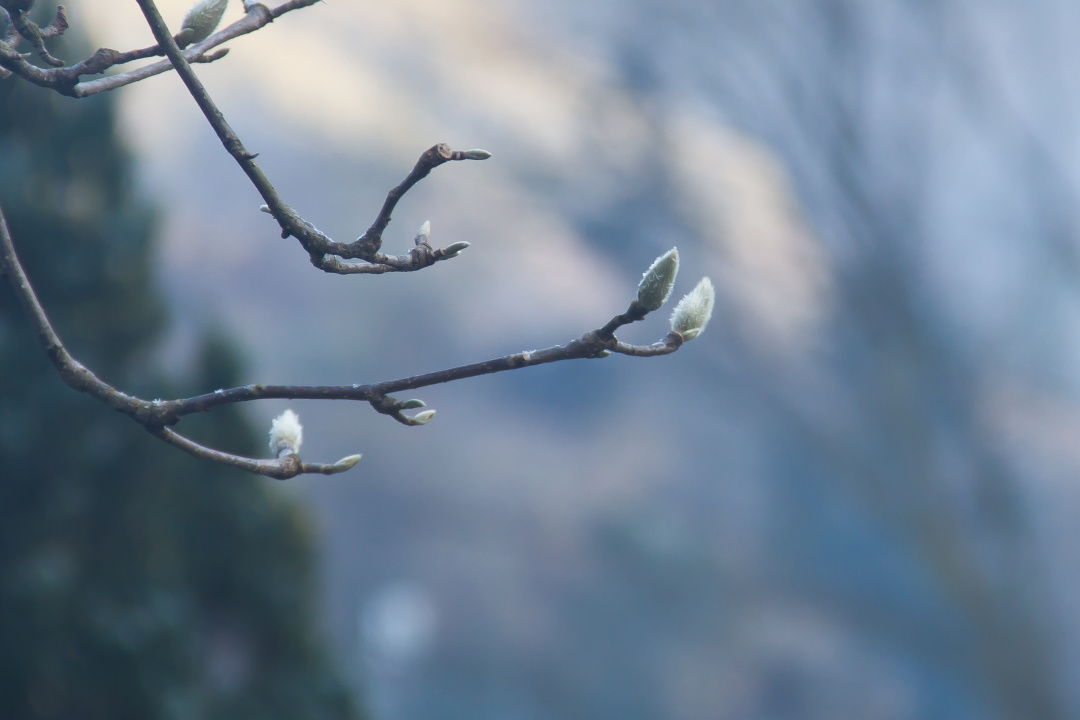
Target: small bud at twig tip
423	417
413	404
453	249
423	233
347	462
476	154
213	57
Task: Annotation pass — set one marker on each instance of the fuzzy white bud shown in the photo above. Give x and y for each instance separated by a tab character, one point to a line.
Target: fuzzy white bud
655	286
692	313
201	20
476	154
423	417
265	209
423	232
286	434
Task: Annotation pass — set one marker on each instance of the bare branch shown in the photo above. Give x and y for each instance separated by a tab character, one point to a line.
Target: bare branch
671	342
66	80
320	247
594	344
153	415
256	17
30	31
369	243
72	372
157	415
57	27
281	468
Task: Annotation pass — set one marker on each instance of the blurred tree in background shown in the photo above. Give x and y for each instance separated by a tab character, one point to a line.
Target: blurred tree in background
134	580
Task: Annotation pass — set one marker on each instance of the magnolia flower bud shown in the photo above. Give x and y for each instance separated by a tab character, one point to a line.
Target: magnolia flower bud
692	313
423	417
655	286
201	20
453	249
286	434
476	154
423	232
413	404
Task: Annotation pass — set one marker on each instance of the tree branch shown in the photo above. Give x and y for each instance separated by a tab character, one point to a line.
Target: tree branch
149	414
157	415
318	245
281	468
593	344
67	80
35	35
72	372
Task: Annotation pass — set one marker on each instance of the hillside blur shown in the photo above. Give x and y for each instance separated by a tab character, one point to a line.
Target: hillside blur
854	496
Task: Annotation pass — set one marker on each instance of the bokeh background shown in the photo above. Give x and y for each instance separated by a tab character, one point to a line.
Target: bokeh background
854	496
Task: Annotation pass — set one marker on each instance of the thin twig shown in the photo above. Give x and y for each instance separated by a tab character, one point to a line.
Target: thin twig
290	222
67	80
79	377
369	243
282	468
72	372
318	245
34	35
671	342
157	415
594	344
255	18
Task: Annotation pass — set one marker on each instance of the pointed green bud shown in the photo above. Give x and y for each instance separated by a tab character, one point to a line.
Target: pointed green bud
692	313
413	404
201	20
476	154
423	417
286	434
655	286
423	232
453	249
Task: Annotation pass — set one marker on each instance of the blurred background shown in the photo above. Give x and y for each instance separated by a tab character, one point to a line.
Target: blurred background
854	496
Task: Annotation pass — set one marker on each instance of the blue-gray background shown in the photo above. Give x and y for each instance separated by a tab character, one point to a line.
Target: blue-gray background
855	496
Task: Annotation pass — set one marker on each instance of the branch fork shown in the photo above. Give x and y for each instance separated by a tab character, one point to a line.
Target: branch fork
158	416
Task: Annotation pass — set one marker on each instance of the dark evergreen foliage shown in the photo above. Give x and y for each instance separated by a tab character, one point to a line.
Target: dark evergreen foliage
135	582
